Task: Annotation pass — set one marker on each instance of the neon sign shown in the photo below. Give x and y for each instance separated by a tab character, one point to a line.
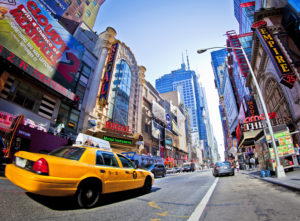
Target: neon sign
117	127
284	69
107	75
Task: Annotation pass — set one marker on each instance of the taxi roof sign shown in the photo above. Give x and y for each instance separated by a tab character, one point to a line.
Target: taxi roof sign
87	140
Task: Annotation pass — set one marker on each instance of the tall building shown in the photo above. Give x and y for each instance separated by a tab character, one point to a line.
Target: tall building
70	13
244	13
185	81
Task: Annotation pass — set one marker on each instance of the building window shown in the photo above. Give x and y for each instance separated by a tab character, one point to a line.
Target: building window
78	2
94	3
87	2
69	2
78	14
275	98
88	13
120	96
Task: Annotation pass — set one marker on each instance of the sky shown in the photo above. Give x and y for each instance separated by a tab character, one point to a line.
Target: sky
158	32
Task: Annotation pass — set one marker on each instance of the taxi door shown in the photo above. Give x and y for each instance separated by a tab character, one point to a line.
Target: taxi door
109	171
129	175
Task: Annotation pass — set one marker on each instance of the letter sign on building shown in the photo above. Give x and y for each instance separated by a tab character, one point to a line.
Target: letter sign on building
107	75
283	67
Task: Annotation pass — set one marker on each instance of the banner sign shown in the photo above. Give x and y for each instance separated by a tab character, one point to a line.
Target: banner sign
34	36
279	60
107	75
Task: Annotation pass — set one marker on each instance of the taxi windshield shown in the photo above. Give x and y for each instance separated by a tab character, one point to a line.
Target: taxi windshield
71	152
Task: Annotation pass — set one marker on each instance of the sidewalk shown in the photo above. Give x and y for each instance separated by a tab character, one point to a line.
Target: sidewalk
291	181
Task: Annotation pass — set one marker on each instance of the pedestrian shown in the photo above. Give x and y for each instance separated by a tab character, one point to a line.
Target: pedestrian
247	163
297	152
252	162
237	166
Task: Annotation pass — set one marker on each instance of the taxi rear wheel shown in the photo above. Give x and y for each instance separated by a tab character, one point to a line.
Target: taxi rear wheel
88	195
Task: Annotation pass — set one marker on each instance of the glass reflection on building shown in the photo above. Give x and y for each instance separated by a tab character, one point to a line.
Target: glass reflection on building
119	103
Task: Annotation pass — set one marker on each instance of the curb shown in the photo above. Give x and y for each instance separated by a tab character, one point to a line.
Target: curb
275	182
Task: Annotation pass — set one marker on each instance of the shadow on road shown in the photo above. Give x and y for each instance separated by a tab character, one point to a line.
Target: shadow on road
69	203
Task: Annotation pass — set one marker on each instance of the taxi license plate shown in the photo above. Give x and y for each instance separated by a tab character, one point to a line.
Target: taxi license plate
20	162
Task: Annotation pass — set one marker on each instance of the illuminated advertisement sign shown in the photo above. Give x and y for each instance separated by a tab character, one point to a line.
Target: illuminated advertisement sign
39	41
107	75
279	60
117	127
117	140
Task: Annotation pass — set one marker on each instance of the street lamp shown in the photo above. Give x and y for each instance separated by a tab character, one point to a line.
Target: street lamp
279	168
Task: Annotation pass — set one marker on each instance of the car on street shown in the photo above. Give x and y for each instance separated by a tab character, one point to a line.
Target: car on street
157	169
171	170
82	171
188	167
178	169
223	168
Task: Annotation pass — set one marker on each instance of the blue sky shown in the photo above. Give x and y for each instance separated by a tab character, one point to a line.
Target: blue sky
159	31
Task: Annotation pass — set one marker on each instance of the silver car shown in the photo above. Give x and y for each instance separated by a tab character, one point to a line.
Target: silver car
223	168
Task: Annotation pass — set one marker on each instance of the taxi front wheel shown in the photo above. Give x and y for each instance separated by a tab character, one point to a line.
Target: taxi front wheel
87	195
147	186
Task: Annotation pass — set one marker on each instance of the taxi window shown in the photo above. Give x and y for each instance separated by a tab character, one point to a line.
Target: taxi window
125	162
71	153
106	159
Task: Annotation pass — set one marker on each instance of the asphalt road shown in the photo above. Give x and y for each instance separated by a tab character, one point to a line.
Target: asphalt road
174	197
246	198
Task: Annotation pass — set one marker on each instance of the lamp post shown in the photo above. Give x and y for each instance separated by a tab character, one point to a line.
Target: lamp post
279	168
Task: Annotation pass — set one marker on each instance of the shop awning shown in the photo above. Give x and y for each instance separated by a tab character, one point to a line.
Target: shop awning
248	138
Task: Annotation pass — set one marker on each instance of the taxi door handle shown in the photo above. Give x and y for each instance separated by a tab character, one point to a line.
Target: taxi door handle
127	172
102	171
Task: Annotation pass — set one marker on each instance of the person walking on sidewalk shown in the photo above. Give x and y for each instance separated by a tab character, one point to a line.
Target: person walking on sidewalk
237	166
252	162
297	152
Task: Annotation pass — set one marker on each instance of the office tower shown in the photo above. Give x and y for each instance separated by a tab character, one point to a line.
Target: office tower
186	82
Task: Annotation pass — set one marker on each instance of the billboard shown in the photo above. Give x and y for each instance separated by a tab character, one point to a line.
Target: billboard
40	43
230	104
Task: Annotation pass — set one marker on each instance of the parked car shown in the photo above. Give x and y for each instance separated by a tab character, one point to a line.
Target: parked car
178	169
86	172
157	169
171	170
223	168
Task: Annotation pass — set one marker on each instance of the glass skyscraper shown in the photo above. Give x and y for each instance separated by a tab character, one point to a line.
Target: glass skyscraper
186	82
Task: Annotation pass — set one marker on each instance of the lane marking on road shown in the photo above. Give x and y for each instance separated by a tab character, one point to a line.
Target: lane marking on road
152	204
201	206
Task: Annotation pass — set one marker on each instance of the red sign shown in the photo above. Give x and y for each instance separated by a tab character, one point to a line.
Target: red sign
259	117
117	127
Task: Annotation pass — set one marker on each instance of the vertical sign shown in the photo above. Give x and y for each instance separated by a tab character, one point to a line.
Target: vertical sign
279	60
107	75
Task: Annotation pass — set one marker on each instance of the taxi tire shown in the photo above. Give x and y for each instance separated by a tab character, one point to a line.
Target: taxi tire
147	185
83	191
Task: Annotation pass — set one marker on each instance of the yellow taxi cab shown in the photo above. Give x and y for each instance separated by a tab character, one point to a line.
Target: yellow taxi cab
82	171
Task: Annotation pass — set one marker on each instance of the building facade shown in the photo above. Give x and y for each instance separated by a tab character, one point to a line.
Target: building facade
70	13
